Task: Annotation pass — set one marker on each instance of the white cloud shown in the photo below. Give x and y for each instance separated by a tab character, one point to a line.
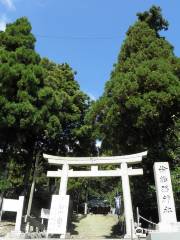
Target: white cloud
3	21
9	4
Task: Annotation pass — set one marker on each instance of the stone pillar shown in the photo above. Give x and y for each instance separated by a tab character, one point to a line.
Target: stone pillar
85	208
64	180
19	214
165	199
127	201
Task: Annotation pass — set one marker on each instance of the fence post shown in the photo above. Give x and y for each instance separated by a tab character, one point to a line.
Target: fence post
137	211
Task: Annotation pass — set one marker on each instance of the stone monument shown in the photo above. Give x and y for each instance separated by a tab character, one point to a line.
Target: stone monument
168	227
58	217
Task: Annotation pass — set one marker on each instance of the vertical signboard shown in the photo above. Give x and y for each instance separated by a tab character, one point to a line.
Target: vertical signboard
58	217
165	199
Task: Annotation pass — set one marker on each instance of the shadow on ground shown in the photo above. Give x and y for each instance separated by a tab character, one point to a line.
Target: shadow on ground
117	231
96	226
76	218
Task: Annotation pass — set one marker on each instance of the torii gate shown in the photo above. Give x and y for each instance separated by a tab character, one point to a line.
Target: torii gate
124	172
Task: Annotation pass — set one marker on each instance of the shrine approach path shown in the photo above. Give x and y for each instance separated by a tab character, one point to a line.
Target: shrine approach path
95	226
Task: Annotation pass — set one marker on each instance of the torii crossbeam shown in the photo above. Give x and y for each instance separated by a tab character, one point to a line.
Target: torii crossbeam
124	172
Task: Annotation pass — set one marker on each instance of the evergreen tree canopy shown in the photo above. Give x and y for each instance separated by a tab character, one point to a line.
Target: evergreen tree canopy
41	105
154	19
139	108
142	95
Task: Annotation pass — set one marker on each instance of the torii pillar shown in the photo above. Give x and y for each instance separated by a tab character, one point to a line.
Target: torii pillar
64	180
129	219
123	172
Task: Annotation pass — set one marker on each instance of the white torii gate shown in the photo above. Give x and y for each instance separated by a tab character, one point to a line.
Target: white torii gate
124	172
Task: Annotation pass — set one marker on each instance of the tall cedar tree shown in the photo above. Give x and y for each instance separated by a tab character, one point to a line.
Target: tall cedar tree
41	107
140	103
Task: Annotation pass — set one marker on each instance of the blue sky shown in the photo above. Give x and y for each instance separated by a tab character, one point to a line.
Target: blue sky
87	34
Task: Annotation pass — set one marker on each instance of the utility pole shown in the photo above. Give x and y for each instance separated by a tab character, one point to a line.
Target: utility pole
31	192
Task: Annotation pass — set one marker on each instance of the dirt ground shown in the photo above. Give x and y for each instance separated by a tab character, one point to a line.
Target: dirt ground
6	227
91	226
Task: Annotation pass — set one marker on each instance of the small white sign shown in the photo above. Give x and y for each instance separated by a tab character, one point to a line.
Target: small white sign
45	213
10	205
57	223
165	199
14	205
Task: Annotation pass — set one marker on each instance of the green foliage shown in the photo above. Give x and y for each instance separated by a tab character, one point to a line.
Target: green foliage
4	184
154	19
141	101
41	107
85	189
17	34
142	94
175	176
173	142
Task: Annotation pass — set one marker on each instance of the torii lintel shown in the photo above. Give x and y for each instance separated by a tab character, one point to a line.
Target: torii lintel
131	159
